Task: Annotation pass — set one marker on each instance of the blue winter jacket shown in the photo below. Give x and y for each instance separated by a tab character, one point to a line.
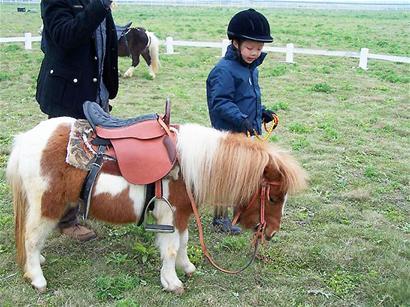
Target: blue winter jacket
233	93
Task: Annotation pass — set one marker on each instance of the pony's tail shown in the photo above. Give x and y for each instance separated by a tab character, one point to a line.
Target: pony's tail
154	52
19	204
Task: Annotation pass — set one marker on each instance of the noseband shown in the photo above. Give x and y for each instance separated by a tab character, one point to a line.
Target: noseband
263	192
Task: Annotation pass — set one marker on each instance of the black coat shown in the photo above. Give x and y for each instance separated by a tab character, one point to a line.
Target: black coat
69	72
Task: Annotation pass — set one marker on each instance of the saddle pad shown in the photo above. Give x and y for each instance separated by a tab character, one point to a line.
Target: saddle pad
79	154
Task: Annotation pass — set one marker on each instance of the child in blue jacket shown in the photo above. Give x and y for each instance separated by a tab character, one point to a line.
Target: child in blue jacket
233	93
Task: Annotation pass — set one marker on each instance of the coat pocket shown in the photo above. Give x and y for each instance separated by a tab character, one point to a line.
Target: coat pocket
62	86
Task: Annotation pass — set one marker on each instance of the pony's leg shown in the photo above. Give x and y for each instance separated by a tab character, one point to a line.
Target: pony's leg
42	259
168	244
145	54
37	230
182	260
129	72
135	62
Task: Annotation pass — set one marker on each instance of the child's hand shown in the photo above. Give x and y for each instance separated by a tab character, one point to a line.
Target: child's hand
267	115
246	126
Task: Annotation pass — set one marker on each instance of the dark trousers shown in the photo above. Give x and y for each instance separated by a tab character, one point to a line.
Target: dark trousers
69	218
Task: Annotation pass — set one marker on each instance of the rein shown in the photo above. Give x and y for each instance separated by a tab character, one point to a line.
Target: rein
257	237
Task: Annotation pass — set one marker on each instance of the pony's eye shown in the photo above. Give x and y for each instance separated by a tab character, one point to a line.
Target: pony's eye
272	199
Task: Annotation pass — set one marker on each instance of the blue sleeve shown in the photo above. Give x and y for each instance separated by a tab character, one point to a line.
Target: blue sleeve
68	29
221	97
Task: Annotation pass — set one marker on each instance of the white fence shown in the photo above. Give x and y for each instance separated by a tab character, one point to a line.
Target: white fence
289	50
300	4
27	39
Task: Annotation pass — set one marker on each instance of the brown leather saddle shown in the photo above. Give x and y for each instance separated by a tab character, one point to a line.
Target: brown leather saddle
144	146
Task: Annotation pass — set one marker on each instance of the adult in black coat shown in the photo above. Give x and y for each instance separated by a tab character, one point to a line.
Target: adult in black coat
69	73
79	42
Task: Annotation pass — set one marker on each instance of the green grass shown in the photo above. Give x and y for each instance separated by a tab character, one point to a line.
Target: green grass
344	241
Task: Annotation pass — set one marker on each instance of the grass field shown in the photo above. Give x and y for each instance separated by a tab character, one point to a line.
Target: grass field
344	241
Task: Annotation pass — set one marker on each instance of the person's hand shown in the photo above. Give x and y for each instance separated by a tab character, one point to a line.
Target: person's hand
267	115
246	126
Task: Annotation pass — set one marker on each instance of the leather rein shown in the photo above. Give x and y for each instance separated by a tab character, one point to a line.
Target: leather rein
258	236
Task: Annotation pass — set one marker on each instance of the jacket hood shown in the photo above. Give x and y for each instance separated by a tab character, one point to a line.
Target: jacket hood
233	55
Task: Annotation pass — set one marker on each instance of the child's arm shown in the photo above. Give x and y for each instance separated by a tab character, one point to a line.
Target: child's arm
221	98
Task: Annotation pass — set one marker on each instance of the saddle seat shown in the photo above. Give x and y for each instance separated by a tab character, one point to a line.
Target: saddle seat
96	116
144	146
122	30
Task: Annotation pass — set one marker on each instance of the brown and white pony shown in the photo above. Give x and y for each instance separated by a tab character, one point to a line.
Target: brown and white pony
136	42
219	167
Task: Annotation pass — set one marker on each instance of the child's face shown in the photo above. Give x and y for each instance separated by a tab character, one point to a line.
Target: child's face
250	50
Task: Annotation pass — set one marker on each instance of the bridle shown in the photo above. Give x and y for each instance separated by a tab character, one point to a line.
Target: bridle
264	195
258	236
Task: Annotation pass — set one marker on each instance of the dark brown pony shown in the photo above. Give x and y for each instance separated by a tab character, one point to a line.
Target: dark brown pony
138	41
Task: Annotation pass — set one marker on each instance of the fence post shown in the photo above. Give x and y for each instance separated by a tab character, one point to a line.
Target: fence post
169	43
364	52
289	53
225	44
27	41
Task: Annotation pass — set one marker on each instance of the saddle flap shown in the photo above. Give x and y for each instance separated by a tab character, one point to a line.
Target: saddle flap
145	161
145	130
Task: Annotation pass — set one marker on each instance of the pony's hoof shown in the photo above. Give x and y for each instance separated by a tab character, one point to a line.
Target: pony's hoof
188	268
41	289
42	259
128	73
40	285
189	275
179	291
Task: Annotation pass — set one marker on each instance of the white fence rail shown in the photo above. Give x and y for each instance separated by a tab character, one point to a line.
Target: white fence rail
27	39
298	4
289	50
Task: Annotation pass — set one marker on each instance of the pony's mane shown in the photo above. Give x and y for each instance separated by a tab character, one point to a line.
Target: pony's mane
292	176
221	168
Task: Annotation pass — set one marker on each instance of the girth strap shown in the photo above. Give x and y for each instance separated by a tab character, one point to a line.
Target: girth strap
85	195
149	194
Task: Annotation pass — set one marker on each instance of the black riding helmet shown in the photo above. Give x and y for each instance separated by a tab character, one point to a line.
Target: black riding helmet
249	24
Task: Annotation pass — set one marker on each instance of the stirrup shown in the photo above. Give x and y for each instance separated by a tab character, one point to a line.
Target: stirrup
161	228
